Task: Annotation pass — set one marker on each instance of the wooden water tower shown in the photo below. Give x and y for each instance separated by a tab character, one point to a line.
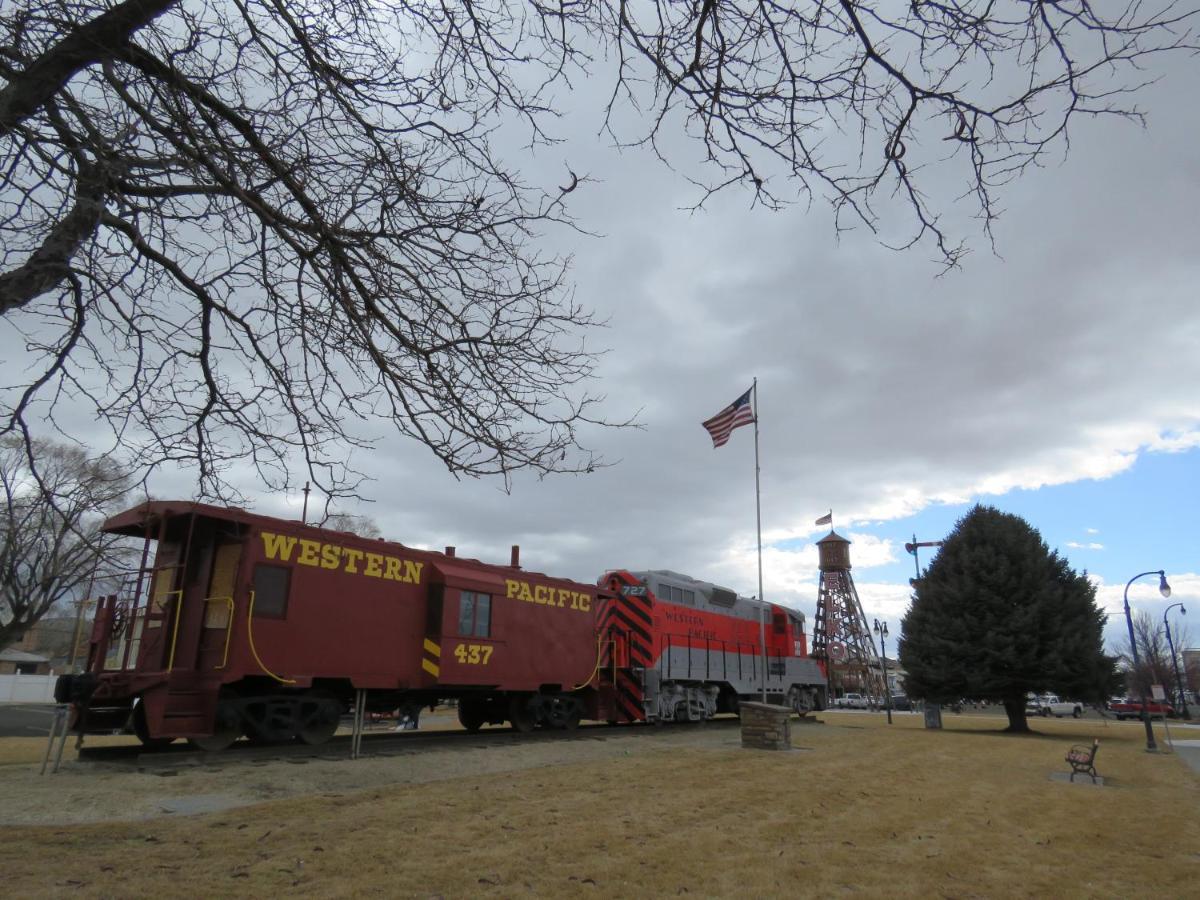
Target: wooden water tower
841	635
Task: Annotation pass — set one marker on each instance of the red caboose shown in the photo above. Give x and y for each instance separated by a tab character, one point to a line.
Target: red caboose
245	624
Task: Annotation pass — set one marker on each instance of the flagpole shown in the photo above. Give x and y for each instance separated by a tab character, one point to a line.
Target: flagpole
762	627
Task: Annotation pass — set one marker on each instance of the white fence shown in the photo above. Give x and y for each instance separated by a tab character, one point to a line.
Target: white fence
27	688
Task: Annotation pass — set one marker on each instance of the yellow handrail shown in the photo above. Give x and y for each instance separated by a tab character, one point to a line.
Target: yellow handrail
600	642
228	601
250	636
175	630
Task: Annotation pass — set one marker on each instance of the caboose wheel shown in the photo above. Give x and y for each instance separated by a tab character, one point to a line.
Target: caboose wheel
523	718
564	713
471	714
320	715
271	719
226	729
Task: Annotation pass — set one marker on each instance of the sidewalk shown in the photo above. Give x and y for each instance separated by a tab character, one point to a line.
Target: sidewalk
1186	741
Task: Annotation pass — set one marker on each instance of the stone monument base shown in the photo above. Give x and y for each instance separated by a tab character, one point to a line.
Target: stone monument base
765	726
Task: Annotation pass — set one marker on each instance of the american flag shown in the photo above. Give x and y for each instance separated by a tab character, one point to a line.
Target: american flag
739	412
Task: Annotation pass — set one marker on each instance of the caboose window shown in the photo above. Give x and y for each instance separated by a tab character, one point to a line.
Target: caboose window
271	585
474	614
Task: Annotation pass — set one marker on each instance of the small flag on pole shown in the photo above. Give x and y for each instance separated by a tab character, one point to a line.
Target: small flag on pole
826	519
737	413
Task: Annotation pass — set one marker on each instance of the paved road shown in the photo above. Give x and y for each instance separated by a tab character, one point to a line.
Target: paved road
25	719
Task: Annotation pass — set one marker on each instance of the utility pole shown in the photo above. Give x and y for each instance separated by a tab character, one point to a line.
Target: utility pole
76	632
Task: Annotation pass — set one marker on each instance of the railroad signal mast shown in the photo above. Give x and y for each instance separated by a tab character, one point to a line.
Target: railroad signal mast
841	633
914	549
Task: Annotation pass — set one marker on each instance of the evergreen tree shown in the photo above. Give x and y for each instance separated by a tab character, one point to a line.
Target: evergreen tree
998	615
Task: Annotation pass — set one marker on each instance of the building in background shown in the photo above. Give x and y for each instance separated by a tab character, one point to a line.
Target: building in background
1191	669
22	662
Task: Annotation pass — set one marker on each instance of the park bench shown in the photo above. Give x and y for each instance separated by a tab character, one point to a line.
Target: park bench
1083	759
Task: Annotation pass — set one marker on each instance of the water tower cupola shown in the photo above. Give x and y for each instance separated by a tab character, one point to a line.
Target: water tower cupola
834	551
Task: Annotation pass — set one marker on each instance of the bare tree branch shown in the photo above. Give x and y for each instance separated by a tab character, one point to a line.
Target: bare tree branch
248	231
87	44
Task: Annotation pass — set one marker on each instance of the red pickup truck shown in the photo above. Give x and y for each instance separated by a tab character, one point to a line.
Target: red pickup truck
1131	708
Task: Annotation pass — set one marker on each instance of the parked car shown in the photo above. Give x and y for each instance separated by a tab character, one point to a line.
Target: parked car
901	702
1051	705
1131	708
851	701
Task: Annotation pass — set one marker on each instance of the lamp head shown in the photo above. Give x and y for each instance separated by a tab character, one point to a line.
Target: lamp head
1163	587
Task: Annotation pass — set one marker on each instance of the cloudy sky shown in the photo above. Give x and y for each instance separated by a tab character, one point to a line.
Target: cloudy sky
1056	377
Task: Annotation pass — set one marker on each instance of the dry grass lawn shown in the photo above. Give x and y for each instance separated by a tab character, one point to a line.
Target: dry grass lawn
862	808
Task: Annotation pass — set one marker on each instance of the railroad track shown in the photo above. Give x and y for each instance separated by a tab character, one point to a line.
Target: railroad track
374	744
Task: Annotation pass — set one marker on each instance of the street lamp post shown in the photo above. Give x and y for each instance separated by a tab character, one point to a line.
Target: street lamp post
1174	661
1165	590
882	631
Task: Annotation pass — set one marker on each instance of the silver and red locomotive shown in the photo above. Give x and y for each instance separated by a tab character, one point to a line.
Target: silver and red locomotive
241	624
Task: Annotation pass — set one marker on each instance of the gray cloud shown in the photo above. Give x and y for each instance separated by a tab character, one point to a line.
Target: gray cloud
885	384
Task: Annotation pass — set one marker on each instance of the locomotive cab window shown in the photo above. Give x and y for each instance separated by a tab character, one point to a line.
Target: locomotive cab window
271	585
675	594
474	614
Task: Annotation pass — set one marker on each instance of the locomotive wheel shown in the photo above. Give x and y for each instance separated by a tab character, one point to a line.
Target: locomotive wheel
320	715
470	714
143	732
226	729
523	718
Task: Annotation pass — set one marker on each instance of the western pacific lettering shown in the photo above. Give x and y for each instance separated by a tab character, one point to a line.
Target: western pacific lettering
333	556
544	595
